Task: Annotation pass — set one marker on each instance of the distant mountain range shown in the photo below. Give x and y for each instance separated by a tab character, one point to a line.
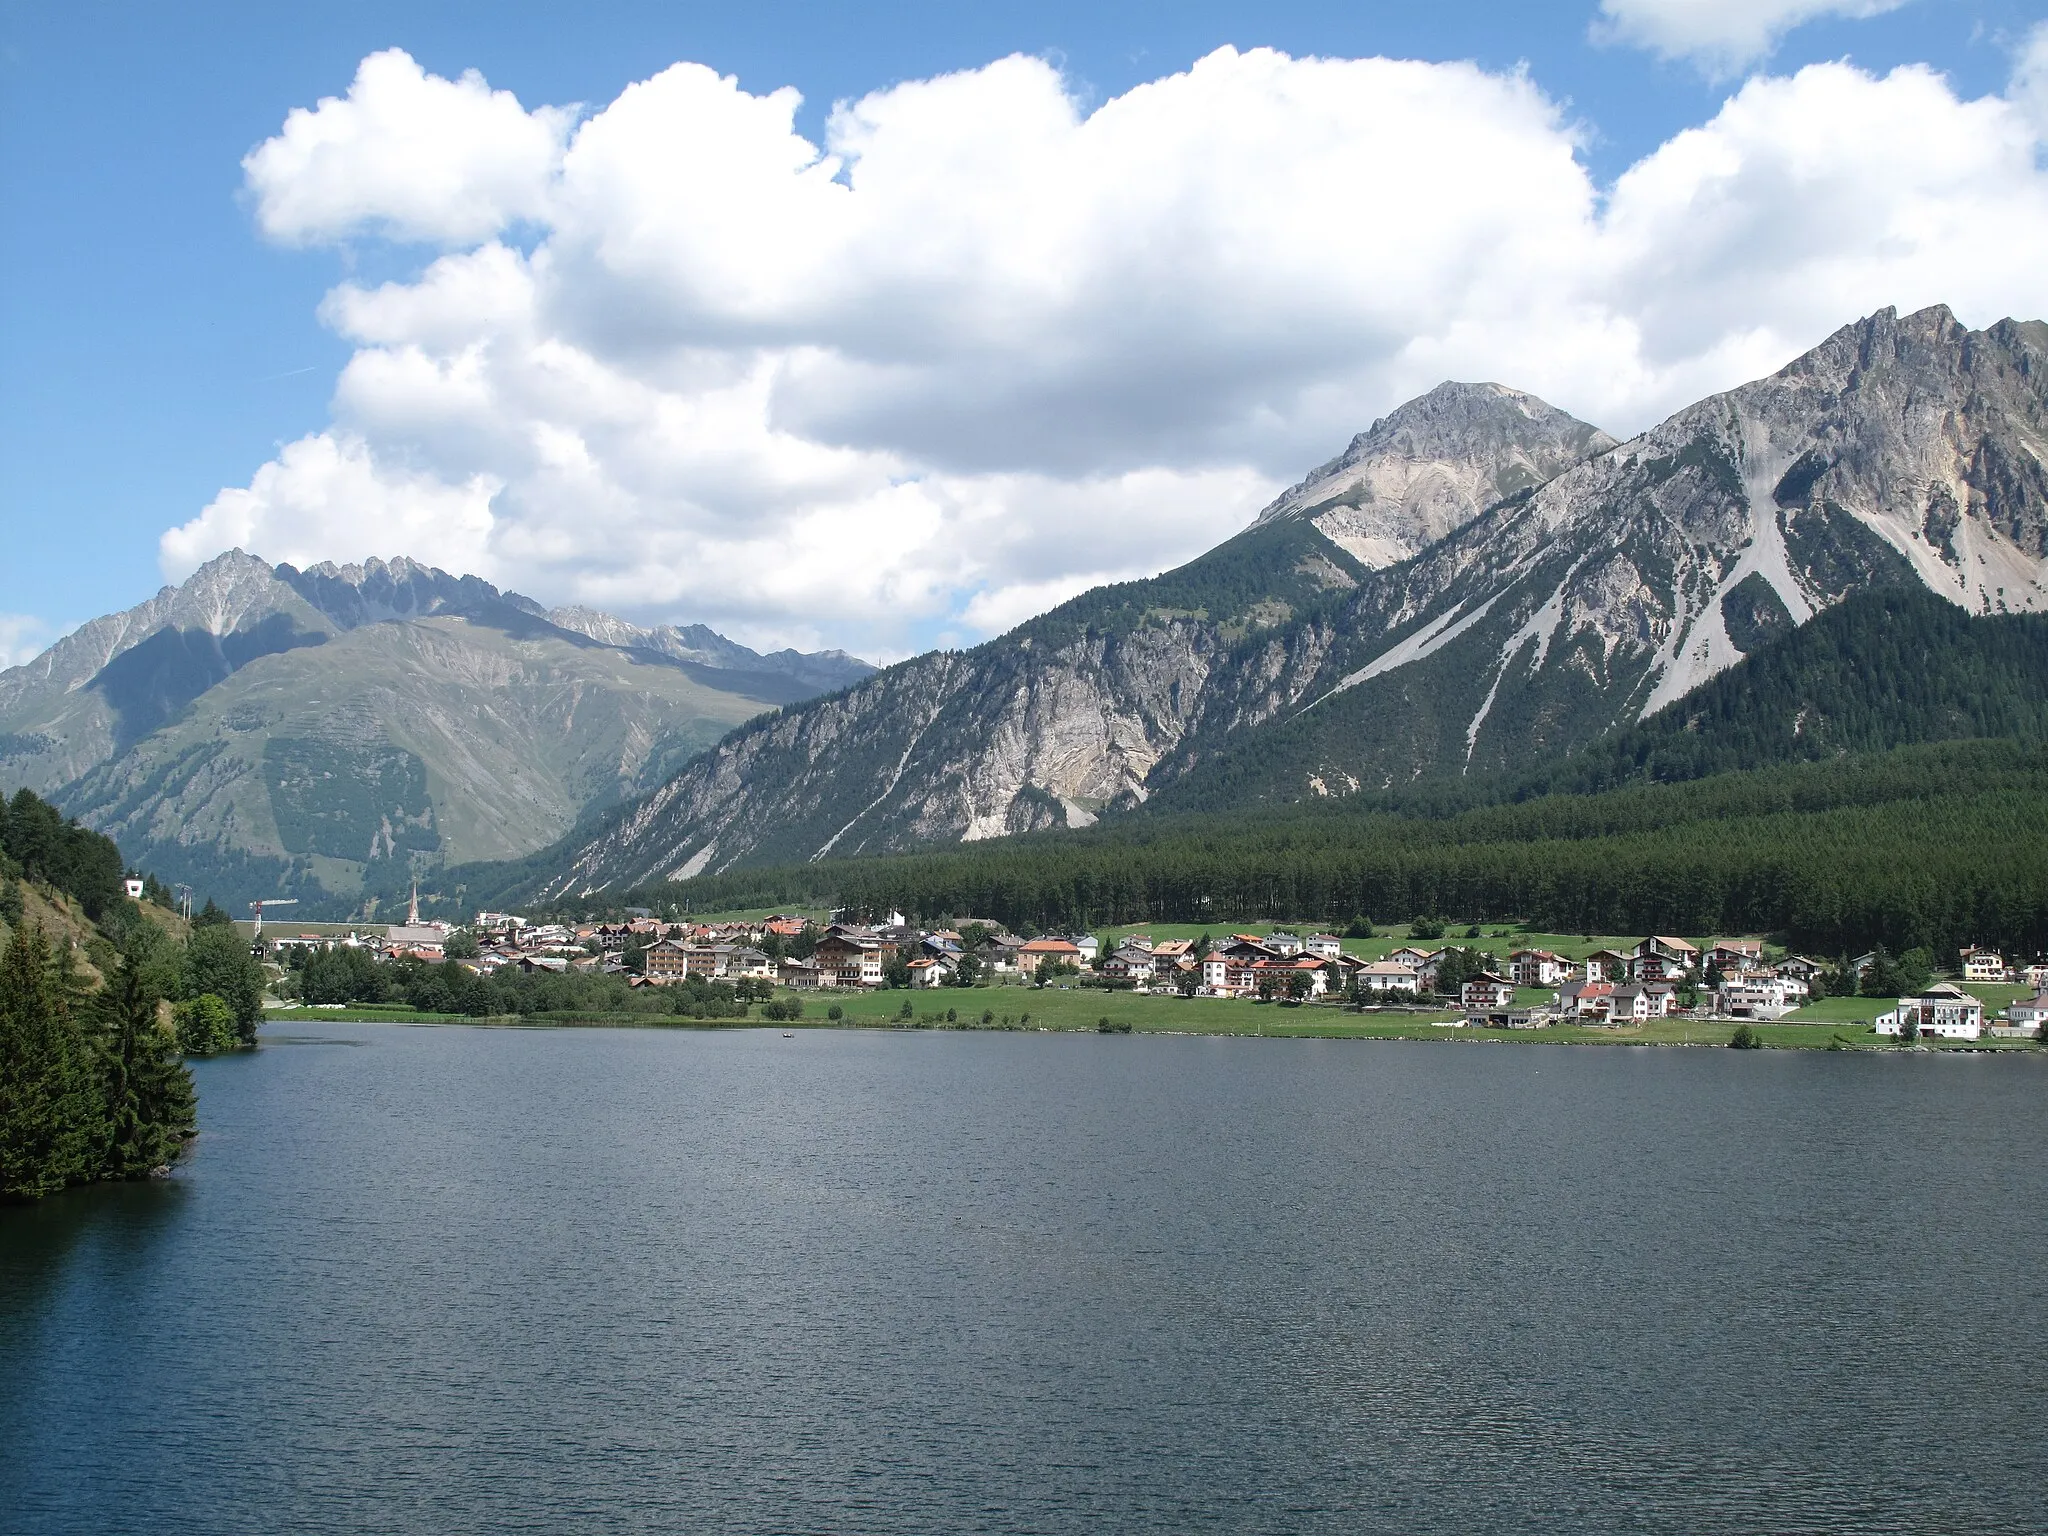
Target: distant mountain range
1480	587
263	730
1479	584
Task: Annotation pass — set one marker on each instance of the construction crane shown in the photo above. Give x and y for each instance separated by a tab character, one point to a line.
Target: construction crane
269	901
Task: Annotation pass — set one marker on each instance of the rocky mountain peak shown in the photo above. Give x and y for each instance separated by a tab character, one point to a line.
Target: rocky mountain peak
1426	469
378	591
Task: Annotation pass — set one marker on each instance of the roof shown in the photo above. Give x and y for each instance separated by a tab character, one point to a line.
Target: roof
1387	968
1670	943
1050	947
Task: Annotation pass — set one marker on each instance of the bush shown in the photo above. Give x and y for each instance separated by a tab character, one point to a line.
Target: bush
782	1010
206	1026
1744	1039
835	1013
1106	1027
1426	928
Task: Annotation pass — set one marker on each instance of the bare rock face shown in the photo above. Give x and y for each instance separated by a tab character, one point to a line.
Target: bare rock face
1422	473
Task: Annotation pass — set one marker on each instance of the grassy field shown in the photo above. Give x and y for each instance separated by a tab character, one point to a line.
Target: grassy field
1054	1008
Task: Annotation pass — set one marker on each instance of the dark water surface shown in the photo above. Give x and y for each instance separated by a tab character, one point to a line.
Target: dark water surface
430	1280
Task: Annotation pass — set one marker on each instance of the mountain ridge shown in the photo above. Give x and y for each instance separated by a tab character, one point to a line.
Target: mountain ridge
1896	451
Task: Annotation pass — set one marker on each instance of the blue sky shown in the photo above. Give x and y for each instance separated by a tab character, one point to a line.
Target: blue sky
158	348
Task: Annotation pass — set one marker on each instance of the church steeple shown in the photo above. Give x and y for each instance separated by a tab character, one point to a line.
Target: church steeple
412	913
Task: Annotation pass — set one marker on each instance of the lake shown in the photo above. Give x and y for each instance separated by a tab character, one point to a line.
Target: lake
451	1279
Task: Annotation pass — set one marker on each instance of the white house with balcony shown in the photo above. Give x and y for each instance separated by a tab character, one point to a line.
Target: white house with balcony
1943	1012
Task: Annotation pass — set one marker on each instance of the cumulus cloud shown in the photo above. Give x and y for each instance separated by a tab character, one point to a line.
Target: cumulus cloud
22	638
1720	35
979	348
406	154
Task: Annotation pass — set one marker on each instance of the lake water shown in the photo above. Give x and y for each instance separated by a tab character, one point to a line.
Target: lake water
437	1279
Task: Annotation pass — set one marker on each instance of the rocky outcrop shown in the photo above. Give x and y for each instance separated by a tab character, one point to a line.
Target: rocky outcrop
1423	472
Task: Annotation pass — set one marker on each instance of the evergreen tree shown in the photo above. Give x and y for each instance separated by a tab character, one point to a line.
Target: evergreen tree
147	1089
50	1123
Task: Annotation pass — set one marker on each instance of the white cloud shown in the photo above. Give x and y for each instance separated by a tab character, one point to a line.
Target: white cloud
326	497
1720	35
406	154
979	349
22	638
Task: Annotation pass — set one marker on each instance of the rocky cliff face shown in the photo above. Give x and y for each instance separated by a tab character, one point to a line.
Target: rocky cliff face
1420	474
1608	580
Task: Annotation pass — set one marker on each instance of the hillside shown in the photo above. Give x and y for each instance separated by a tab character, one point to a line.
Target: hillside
322	733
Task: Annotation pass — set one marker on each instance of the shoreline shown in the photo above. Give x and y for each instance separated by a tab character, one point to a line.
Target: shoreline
1668	1033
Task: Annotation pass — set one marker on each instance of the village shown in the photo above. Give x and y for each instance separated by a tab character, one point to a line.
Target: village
1477	987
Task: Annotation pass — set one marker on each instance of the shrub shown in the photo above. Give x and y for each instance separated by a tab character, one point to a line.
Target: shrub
783	1010
1426	928
835	1013
1744	1039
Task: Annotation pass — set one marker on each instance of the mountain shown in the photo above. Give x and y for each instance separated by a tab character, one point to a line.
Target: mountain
262	730
1899	452
1428	469
1077	709
1286	664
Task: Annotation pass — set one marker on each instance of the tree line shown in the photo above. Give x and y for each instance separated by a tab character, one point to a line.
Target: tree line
1922	847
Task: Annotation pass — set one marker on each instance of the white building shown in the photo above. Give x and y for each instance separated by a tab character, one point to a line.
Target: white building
1943	1012
2027	1017
1324	946
1984	965
1385	976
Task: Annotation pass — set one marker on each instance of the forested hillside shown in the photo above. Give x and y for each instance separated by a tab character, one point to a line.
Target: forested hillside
100	998
1928	846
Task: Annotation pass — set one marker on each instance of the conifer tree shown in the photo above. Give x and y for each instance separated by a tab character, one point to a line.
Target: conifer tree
50	1124
148	1091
